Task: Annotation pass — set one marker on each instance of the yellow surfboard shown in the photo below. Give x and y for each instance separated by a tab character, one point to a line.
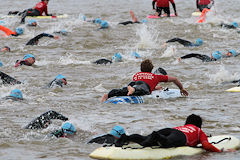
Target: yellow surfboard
234	89
196	14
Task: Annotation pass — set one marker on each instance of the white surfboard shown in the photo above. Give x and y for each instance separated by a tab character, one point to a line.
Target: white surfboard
157	94
196	14
234	89
136	152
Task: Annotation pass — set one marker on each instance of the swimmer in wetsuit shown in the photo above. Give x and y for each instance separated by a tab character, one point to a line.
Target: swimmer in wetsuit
144	83
214	56
28	60
45	119
117	57
186	43
110	138
15	95
234	25
67	130
18	31
35	40
163	5
188	135
59	81
134	20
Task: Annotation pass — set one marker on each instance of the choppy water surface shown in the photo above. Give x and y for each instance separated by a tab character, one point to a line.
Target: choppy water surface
80	99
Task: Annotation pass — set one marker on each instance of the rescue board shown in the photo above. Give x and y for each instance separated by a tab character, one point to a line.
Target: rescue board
157	94
41	17
234	89
136	152
151	16
196	14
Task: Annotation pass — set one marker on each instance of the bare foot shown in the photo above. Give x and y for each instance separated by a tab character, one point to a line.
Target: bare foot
104	97
131	90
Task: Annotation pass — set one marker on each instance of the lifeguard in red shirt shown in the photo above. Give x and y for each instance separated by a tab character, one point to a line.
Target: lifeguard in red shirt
201	4
163	5
144	83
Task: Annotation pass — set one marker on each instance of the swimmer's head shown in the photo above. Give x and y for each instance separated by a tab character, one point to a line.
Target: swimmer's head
19	30
28	56
1	64
16	93
32	22
195	120
199	41
117	131
61	78
233	52
69	128
63	31
135	54
104	24
144	21
98	21
5	49
117	57
217	55
235	24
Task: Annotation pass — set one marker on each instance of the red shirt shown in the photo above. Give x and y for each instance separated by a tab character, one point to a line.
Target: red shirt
151	79
163	3
204	2
42	7
193	134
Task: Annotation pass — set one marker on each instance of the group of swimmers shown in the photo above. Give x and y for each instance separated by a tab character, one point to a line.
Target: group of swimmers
143	83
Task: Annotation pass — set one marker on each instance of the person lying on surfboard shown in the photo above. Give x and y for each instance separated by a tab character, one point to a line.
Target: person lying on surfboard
5	49
234	25
111	138
8	32
35	40
27	60
144	83
201	4
15	95
164	5
188	135
186	43
134	20
214	56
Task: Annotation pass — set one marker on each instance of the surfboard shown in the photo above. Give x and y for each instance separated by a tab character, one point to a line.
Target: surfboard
157	94
136	152
41	17
196	14
151	16
234	89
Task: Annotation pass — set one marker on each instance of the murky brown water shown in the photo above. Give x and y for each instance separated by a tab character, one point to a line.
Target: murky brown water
79	100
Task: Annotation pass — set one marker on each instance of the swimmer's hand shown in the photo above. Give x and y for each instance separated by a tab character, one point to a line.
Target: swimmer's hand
56	37
179	59
184	92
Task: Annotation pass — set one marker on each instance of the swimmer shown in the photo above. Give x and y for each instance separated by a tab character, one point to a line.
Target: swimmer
142	84
44	120
18	31
15	95
214	56
103	25
117	57
6	79
111	138
28	60
201	4
134	20
32	23
6	49
67	130
59	81
234	25
62	32
35	40
164	5
186	43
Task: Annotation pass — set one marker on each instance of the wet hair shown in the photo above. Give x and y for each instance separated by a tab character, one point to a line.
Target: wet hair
146	66
195	120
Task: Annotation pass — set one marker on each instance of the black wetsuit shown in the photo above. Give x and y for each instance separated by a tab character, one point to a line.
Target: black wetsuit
128	22
105	139
102	61
201	7
165	9
29	12
204	58
141	88
34	40
6	79
185	43
44	119
165	138
228	26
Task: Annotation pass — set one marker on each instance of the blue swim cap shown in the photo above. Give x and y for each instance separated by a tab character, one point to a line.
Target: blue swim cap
117	131
60	76
234	53
69	128
19	30
28	56
63	31
217	55
98	20
117	57
2	22
1	64
16	93
199	41
144	21
104	24
135	54
31	21
235	24
84	18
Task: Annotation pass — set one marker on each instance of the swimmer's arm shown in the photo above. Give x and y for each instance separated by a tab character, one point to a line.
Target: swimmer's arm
179	84
55	115
209	147
174	7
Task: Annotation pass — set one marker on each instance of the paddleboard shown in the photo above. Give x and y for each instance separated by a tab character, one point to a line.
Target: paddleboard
41	17
136	152
157	94
234	89
163	15
196	14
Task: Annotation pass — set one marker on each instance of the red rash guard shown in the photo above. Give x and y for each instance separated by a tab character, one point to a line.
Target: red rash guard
163	3
204	2
41	7
151	79
195	135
